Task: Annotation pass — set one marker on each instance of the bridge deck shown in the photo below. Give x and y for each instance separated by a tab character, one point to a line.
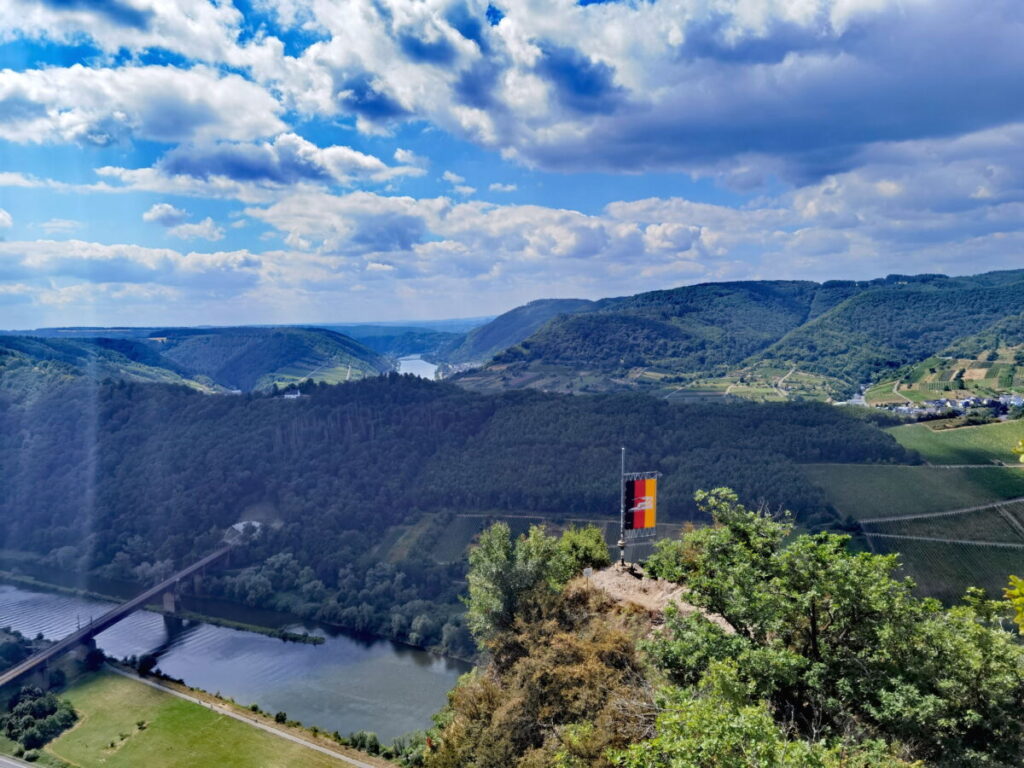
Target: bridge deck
108	619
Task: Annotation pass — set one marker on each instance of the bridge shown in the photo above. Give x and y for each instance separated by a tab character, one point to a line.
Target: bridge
82	637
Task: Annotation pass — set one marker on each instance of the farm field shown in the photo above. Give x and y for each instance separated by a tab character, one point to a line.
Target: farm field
177	733
946	570
965	445
1003	522
950	377
864	491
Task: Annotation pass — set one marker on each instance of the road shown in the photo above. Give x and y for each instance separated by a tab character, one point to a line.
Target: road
13	762
228	712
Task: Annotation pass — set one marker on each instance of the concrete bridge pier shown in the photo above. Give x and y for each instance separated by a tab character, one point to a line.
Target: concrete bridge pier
170	601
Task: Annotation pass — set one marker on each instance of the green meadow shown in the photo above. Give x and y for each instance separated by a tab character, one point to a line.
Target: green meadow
965	445
175	733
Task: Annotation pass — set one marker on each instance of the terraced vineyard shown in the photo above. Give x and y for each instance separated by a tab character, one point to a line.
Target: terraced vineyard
952	377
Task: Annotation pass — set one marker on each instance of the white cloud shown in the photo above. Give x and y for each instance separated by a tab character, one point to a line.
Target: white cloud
104	106
452	178
5	219
165	214
464	189
206	229
60	226
257	172
498	187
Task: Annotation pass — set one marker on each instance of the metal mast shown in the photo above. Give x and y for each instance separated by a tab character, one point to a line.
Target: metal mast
622	509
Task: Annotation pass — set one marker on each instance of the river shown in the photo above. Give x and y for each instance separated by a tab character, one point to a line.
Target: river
418	366
348	683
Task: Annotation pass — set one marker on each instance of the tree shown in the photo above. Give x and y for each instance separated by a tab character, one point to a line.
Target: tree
837	646
505	574
716	725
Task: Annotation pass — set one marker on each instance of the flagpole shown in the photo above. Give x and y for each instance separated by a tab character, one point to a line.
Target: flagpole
622	509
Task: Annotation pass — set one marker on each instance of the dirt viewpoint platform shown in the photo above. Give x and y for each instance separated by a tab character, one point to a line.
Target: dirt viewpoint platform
650	594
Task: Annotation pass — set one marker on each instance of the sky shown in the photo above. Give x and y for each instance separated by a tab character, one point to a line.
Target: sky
309	161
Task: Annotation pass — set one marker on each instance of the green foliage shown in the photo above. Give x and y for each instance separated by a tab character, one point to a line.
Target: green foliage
580	548
14	648
716	725
899	320
563	687
840	649
696	328
34	718
504	575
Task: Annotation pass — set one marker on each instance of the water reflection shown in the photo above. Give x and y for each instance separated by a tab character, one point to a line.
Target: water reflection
349	683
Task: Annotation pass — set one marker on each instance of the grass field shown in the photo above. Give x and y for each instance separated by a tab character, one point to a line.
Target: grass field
177	733
965	445
882	490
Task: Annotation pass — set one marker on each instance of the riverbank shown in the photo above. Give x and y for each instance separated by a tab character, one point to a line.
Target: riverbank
281	634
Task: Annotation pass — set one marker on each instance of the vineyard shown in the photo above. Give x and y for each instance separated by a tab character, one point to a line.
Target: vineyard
864	491
991	374
988	444
947	552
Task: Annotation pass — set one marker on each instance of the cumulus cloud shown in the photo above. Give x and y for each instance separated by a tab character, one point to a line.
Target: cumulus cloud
97	263
207	229
5	219
158	103
256	172
694	85
498	187
165	214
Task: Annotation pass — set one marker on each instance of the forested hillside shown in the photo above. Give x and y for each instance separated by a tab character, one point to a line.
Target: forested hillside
898	323
30	366
483	343
717	336
133	479
258	358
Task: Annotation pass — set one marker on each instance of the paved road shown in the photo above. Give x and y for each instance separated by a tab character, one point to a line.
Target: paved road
223	710
13	762
108	619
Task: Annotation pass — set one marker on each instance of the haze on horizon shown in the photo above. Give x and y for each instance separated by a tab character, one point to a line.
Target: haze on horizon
183	162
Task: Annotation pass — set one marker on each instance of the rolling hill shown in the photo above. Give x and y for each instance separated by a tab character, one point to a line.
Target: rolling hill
258	358
206	359
763	339
30	365
483	343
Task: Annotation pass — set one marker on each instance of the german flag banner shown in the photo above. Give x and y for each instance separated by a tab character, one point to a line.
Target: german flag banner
640	502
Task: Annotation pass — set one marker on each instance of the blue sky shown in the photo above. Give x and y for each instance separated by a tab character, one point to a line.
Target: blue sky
186	162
